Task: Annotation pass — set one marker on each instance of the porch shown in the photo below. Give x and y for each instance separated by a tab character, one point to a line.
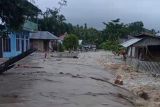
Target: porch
145	53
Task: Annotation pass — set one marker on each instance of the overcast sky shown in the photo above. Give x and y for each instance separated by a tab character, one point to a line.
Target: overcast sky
94	12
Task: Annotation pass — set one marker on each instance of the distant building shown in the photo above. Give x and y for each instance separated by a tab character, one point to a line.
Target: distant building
61	37
43	41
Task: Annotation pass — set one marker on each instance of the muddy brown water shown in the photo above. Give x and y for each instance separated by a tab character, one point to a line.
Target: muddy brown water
61	83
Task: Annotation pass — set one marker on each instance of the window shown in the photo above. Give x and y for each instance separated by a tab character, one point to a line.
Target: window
18	42
27	37
6	44
27	44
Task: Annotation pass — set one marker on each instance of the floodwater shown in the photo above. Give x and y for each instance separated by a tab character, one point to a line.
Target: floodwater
56	82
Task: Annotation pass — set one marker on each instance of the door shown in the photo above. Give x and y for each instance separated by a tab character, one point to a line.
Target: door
46	45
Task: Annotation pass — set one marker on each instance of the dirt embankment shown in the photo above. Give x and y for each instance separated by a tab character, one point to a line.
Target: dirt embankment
142	84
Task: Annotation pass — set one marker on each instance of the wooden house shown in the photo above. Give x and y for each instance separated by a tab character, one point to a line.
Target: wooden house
143	47
43	41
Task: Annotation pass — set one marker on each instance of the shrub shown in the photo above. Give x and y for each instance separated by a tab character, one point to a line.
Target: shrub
60	47
71	42
111	46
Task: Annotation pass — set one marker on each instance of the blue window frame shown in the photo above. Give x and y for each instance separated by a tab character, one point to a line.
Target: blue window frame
6	44
17	42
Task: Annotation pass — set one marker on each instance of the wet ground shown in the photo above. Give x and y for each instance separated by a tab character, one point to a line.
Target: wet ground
138	82
62	82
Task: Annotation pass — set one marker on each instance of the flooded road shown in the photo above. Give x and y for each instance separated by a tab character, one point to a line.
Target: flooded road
55	82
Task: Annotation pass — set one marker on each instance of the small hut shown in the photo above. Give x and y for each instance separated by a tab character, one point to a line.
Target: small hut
43	41
144	47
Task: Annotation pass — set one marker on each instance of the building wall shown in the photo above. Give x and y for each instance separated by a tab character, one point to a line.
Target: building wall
1	51
131	52
38	44
26	41
14	51
146	49
41	45
148	41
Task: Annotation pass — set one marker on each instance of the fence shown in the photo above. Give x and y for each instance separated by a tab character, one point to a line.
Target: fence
147	66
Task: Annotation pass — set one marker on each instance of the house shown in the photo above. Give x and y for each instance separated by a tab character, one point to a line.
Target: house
144	47
43	41
14	43
61	37
144	53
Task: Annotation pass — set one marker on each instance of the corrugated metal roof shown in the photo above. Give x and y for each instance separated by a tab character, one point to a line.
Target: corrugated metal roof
43	35
130	42
30	26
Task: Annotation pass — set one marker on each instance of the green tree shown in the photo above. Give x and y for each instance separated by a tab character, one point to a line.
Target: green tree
112	33
89	35
112	46
136	28
54	22
14	12
115	30
71	42
61	4
60	47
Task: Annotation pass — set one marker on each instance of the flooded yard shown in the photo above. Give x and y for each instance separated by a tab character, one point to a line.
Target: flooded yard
141	83
66	82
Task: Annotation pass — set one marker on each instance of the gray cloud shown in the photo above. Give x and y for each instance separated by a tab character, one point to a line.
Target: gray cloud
94	12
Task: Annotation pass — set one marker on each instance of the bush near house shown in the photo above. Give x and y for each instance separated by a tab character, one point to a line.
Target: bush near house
60	47
111	46
71	42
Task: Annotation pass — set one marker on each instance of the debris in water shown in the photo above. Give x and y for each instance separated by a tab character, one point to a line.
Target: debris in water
119	80
11	96
26	66
144	95
73	76
61	73
58	59
76	76
76	57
